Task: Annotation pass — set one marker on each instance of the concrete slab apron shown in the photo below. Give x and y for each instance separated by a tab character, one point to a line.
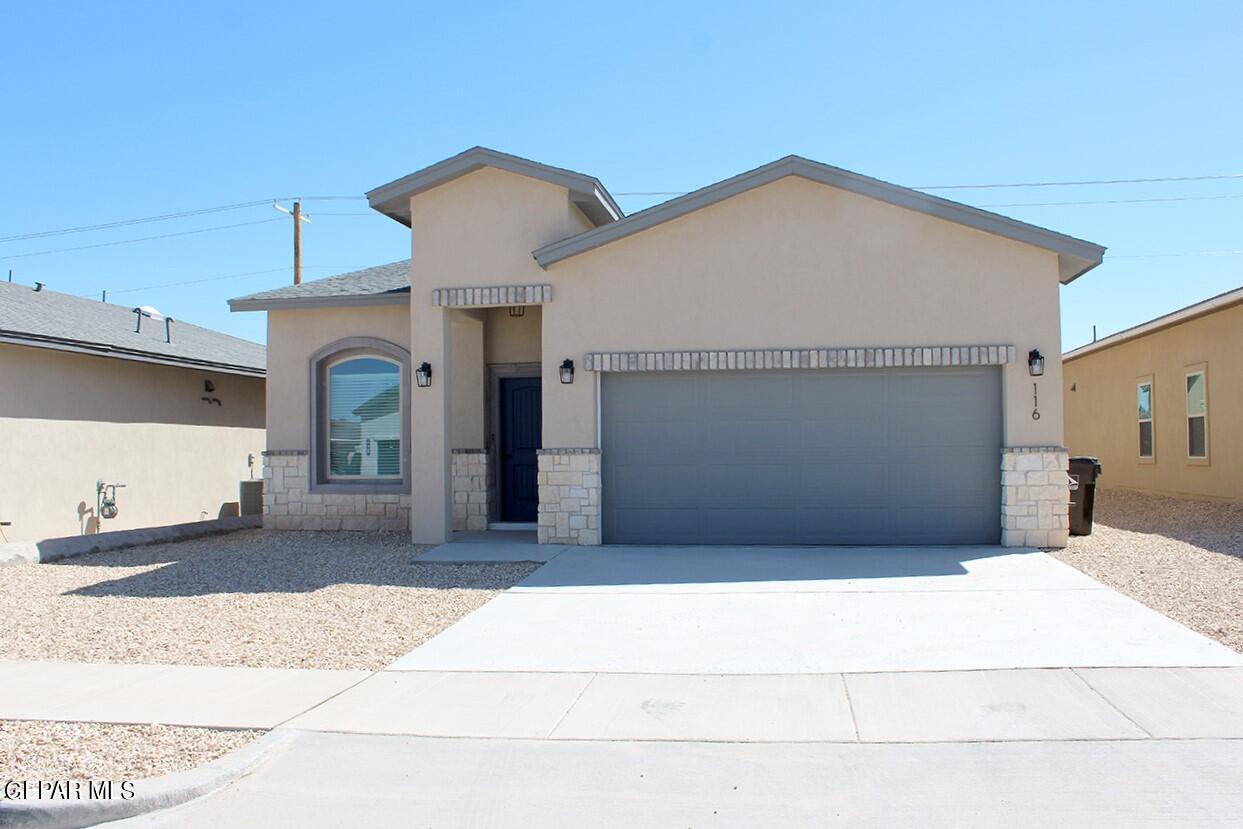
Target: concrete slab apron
192	695
791	610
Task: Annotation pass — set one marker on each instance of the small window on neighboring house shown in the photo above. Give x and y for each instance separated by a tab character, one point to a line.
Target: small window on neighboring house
1197	415
1144	413
364	418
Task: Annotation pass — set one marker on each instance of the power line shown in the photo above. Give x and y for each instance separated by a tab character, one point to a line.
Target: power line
1115	201
214	279
1084	183
141	239
1167	255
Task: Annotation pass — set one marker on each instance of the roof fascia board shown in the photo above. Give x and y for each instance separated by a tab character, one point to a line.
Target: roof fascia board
596	202
93	350
1201	309
1076	256
347	301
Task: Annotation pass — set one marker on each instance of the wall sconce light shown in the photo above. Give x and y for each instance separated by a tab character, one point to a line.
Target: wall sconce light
567	371
517	310
423	375
1035	363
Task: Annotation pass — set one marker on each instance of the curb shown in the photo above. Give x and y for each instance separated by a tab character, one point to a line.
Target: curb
53	549
150	795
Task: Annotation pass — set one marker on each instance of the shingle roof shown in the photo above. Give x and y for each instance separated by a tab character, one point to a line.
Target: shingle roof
47	319
371	286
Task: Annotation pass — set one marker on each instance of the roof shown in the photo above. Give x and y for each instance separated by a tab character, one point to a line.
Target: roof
587	193
1199	309
381	285
47	319
1075	256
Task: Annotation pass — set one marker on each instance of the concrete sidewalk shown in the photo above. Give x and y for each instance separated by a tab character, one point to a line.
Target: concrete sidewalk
191	695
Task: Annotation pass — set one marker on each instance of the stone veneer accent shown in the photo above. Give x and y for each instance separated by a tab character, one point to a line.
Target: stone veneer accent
781	358
289	505
569	496
1035	496
496	295
470	489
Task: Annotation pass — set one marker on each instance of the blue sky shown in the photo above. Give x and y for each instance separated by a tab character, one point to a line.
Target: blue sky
118	111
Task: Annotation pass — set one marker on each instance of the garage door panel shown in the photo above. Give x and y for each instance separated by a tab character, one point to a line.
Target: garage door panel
812	457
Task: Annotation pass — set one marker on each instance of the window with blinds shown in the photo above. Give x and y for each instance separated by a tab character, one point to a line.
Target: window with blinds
364	418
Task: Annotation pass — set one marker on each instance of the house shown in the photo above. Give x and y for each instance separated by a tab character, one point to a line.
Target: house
796	355
1161	404
95	395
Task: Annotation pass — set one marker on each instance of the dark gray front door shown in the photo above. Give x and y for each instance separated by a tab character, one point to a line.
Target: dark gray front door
520	439
887	456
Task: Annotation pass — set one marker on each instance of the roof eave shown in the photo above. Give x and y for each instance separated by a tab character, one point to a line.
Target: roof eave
1076	256
102	350
346	301
1212	305
587	193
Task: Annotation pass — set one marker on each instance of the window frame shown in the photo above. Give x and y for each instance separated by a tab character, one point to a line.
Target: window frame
1190	371
331	363
1140	382
319	363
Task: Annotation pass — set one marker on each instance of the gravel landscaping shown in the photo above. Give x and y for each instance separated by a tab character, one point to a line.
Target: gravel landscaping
253	598
34	750
1180	557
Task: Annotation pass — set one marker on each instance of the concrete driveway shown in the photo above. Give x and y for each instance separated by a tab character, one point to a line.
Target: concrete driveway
779	687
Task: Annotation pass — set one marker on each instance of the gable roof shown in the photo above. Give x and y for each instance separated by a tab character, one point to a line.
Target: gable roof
381	285
1217	303
1075	256
47	319
587	193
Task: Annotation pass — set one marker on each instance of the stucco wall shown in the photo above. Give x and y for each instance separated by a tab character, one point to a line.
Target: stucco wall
67	420
796	263
1101	412
512	339
293	336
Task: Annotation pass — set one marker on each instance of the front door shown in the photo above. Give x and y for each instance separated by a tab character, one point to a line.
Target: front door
520	437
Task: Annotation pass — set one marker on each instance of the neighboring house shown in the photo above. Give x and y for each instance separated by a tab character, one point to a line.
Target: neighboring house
1161	404
797	355
171	411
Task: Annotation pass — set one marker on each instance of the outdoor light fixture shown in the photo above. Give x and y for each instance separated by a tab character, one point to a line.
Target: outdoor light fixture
423	375
517	310
1035	363
567	371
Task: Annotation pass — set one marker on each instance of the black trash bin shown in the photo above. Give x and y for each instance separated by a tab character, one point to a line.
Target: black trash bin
1083	472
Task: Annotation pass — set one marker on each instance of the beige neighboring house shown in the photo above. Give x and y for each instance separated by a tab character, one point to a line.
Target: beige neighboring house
1161	404
796	355
91	391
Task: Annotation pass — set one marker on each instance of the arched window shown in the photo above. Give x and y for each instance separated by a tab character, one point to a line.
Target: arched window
364	418
360	417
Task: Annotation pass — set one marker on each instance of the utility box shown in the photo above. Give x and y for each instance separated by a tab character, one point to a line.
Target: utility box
250	496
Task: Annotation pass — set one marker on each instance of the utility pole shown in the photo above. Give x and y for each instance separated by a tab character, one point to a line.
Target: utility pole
298	219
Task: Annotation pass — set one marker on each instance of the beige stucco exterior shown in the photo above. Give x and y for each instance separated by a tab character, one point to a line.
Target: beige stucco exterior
1101	410
792	263
67	420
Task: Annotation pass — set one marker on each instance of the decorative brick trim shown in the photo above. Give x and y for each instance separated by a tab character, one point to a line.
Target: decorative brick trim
569	496
1035	495
288	505
470	489
801	358
495	295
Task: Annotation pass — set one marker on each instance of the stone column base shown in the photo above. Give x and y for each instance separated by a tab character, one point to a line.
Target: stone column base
470	490
1035	496
288	503
569	496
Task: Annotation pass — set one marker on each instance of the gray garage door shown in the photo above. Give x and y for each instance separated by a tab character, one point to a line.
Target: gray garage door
803	457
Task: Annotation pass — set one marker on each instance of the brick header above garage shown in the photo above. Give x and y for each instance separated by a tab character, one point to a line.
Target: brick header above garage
491	296
804	358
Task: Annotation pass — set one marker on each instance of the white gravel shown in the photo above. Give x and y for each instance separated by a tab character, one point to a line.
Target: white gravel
1183	558
40	750
253	598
